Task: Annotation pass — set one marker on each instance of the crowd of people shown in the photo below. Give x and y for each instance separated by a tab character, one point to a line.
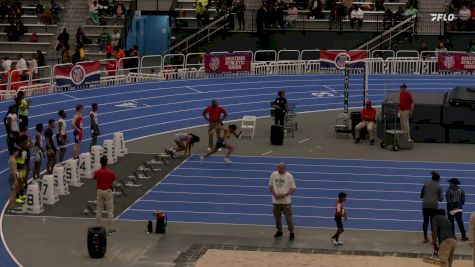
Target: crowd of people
465	13
99	10
48	141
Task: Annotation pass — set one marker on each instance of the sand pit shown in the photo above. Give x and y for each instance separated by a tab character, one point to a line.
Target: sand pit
233	258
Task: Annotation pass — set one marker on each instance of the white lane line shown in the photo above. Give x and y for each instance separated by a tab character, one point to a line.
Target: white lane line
189	87
304	140
331	89
266	153
69	96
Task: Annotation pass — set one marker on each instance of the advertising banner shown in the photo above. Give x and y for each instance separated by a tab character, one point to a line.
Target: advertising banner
457	61
334	59
83	73
228	62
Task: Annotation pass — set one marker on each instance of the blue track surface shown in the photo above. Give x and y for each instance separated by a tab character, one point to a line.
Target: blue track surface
143	109
382	195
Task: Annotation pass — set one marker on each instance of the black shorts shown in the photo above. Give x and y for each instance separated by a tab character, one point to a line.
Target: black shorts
61	141
339	221
220	143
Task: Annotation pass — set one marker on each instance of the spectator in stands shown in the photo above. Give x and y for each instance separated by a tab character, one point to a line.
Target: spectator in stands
21	63
279	14
109	49
292	14
47	17
399	15
6	64
260	17
200	10
240	9
33	64
464	19
134	62
41	59
356	16
67	57
473	17
80	37
105	6
76	56
471	46
56	8
39	10
17	9
20	28
440	48
388	19
11	32
410	11
316	11
379	5
63	39
82	53
103	39
119	10
102	20
115	38
424	48
93	12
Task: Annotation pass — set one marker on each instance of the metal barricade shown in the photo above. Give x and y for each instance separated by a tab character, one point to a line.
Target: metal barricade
259	69
429	66
382	54
109	67
288	55
36	89
265	56
195	60
403	65
41	75
176	61
286	68
407	53
246	51
312	67
309	55
128	64
375	65
151	64
113	80
17	78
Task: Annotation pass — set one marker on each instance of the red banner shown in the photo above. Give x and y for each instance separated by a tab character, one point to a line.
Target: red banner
335	59
456	61
83	73
228	63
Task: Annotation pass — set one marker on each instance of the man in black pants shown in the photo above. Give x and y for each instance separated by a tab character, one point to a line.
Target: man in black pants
280	107
455	197
431	194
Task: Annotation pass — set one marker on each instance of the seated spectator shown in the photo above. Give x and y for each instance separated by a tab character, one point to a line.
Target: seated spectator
316	11
356	16
115	38
200	12
410	11
292	14
464	19
6	64
81	38
56	8
103	40
41	58
422	49
368	117
471	46
399	16
47	17
440	48
388	19
20	28
109	49
11	32
119	53
119	10
21	63
94	12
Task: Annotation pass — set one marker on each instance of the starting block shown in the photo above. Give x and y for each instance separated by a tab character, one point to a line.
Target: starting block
148	167
154	161
118	189
49	195
163	158
33	203
139	176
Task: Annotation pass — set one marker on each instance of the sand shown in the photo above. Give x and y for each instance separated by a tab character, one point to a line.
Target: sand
232	258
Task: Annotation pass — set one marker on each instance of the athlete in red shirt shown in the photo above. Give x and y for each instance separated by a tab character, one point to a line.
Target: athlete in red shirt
214	119
368	117
77	126
105	179
339	214
406	106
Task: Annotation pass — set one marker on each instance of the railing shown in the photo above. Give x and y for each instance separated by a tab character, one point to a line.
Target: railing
179	66
378	42
204	34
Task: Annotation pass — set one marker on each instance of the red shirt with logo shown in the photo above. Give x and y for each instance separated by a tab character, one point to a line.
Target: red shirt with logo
104	178
405	101
368	114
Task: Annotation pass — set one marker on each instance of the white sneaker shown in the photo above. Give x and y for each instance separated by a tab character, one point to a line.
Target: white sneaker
226	159
340	243
334	241
410	140
209	149
219	149
202	159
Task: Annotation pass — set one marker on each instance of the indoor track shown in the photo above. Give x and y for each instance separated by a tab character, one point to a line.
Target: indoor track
145	109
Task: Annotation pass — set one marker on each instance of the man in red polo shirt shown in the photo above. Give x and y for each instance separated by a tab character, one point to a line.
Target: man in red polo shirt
104	179
214	119
406	106
368	116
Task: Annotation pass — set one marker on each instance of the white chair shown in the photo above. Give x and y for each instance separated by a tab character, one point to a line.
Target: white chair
248	126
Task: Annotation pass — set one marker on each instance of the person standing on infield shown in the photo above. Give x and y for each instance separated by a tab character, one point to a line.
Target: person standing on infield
214	119
406	107
340	213
431	194
280	108
455	197
94	125
282	186
104	181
